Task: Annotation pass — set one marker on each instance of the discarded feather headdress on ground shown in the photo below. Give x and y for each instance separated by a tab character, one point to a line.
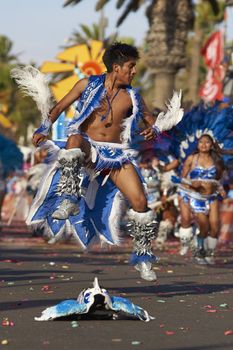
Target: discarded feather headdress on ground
91	300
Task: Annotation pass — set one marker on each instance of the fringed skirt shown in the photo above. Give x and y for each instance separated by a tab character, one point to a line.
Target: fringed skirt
198	203
101	207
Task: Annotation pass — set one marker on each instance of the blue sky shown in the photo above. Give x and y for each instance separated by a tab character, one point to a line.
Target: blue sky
39	28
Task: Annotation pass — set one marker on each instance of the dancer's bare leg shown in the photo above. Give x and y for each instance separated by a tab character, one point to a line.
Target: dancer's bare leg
142	221
212	239
130	185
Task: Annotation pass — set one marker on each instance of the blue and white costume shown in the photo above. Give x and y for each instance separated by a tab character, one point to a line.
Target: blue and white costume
70	178
101	205
198	202
182	142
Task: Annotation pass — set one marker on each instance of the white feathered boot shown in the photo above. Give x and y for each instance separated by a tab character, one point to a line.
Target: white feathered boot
69	186
165	227
143	228
185	235
210	244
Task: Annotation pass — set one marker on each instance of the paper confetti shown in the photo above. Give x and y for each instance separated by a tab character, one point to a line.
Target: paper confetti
169	333
135	342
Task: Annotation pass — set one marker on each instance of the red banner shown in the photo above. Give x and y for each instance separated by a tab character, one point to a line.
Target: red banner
213	55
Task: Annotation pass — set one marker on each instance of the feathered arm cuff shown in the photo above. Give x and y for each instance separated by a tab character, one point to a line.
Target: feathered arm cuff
33	83
156	130
174	114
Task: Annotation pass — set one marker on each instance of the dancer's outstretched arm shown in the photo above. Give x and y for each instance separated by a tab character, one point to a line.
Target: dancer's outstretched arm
62	105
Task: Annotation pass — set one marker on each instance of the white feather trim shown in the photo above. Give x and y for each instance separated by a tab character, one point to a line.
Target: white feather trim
33	83
115	218
127	123
52	149
90	195
141	218
71	154
174	114
191	138
182	153
185	144
42	192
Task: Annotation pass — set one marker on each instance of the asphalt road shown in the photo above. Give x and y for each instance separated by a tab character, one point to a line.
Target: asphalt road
192	305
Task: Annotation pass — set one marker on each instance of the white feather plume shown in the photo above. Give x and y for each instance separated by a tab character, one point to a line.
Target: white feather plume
174	114
34	83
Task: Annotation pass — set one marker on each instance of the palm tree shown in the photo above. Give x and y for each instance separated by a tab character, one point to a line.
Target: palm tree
19	110
94	32
7	90
5	50
170	22
169	25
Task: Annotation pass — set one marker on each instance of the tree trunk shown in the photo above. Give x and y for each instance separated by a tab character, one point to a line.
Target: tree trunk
195	65
166	44
164	86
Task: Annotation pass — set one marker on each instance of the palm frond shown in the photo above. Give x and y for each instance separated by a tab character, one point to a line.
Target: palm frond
96	31
215	6
87	30
71	2
110	39
120	3
100	4
132	6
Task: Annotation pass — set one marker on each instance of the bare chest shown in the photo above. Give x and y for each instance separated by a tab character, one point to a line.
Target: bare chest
112	111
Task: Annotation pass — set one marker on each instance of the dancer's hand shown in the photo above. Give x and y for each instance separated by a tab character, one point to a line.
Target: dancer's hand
222	193
37	139
148	134
197	186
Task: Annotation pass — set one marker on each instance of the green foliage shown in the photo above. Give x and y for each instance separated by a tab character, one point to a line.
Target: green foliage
22	110
24	114
207	17
5	50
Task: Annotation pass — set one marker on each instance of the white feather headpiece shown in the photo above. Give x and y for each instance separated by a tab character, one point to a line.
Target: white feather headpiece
34	83
174	114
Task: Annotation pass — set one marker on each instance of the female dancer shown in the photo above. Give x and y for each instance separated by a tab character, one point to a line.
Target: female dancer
199	190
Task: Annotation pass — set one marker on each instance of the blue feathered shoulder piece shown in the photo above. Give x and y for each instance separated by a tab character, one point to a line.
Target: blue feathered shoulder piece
182	140
92	300
10	155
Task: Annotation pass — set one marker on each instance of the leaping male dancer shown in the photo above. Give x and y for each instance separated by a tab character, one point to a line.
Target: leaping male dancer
107	116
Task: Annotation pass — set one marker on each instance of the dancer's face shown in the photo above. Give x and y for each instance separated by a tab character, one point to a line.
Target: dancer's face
126	72
205	144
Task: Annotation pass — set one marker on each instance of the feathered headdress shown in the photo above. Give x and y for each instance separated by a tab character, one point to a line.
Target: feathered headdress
212	120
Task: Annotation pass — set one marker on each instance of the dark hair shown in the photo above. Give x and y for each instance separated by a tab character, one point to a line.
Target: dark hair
215	155
119	53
